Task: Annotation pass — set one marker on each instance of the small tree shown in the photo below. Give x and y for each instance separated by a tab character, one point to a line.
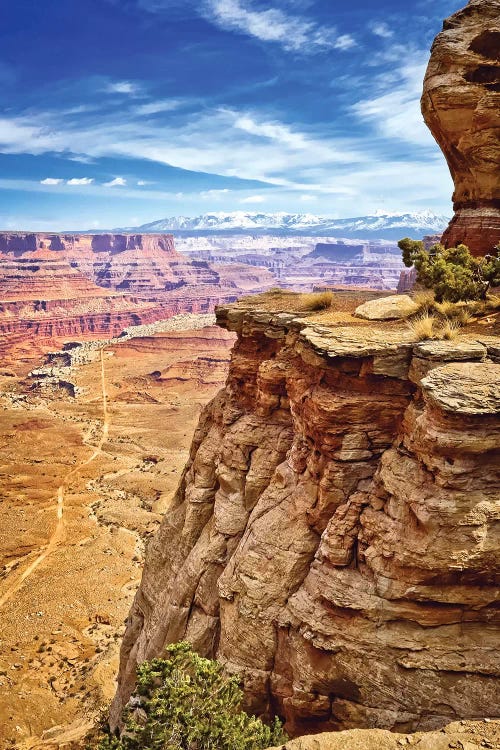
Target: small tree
185	702
452	273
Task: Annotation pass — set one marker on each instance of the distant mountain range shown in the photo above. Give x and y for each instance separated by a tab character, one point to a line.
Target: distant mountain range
380	225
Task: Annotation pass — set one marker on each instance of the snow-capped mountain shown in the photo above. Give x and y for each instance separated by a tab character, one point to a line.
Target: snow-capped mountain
381	225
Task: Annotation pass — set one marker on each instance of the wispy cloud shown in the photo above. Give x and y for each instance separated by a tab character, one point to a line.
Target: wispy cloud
293	33
116	182
395	112
211	194
254	199
381	29
155	107
345	42
51	181
80	181
122	87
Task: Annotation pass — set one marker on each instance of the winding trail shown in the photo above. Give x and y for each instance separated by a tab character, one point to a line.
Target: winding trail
59	533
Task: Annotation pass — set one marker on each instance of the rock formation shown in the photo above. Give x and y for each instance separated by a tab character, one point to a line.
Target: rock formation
333	538
467	735
461	106
54	286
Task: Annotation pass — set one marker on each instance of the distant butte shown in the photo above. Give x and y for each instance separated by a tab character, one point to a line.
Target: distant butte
461	106
93	286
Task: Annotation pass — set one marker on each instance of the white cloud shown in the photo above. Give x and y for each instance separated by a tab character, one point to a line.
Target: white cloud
396	111
254	199
381	29
210	194
294	159
155	107
122	87
51	181
345	42
117	182
293	33
306	198
80	181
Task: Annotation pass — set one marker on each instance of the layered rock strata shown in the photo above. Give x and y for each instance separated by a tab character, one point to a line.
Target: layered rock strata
56	286
334	538
461	106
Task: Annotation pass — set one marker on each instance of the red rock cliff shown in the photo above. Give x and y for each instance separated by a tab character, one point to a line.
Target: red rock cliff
461	106
332	540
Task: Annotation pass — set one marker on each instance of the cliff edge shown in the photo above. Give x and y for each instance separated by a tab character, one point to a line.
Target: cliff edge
334	537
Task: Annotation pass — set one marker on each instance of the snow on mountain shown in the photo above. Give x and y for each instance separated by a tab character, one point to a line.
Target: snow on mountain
382	224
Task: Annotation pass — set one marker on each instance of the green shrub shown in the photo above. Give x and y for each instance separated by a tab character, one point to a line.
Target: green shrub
452	273
185	702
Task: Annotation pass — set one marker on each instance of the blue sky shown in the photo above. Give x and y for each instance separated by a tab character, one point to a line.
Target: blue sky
118	112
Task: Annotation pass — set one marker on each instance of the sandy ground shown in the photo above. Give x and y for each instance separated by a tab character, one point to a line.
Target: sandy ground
83	482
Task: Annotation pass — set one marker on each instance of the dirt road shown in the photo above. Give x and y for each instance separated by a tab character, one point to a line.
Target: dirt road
58	534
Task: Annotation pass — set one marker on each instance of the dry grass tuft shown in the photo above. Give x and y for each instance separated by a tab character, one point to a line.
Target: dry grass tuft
449	330
274	290
427	327
315	301
424	299
422	326
492	303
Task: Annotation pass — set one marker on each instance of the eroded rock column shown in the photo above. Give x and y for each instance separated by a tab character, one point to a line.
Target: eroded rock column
461	106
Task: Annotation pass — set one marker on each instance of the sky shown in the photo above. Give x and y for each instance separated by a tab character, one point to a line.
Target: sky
114	113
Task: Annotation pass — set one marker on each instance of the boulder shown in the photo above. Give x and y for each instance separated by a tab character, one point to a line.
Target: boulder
395	307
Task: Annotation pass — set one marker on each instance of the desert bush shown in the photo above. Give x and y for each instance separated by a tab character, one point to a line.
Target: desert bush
422	326
315	301
452	273
185	702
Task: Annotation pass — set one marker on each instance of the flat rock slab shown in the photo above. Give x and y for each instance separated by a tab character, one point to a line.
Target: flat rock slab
395	307
450	351
465	387
346	341
468	735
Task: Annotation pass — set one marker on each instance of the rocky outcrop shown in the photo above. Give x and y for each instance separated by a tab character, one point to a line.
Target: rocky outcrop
87	245
55	286
461	106
467	735
333	538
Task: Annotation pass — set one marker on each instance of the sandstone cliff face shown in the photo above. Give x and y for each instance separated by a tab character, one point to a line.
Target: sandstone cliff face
461	106
333	537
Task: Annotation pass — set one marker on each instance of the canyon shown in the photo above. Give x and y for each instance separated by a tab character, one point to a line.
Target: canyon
329	533
84	484
333	540
55	286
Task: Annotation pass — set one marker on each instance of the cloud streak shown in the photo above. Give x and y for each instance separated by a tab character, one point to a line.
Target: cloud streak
292	33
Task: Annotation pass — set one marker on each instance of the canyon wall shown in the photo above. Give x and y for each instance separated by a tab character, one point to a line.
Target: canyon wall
333	537
55	286
461	106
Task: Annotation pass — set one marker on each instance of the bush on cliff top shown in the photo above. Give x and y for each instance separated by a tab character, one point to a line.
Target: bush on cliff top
452	273
185	702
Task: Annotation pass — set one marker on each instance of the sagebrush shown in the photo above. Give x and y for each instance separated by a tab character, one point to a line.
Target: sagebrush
186	702
452	273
